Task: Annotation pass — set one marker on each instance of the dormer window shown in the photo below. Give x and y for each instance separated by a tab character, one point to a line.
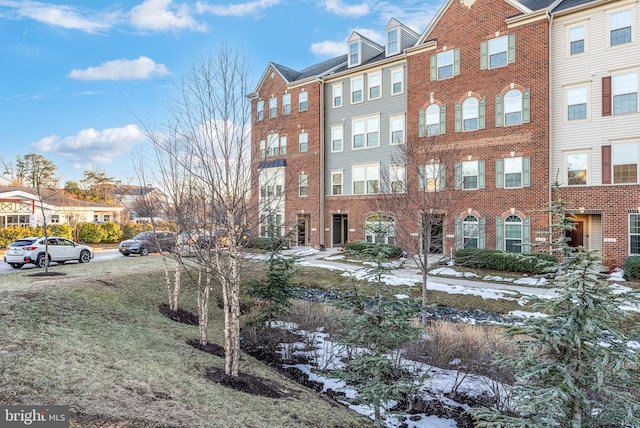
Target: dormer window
392	42
354	53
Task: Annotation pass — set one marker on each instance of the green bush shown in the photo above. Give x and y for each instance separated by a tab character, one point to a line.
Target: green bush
632	267
534	263
261	243
112	232
91	233
370	249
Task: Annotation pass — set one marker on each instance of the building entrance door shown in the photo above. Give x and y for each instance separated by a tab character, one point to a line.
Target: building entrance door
303	229
340	228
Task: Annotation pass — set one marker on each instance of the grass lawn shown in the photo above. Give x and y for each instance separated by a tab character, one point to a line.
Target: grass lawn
94	339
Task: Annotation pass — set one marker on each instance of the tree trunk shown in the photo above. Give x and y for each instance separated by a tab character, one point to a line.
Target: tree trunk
177	284
231	292
425	301
203	305
377	419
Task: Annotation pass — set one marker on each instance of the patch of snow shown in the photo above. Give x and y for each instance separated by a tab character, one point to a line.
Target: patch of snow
633	344
497	278
531	281
524	314
452	272
304	253
620	289
617	275
338	257
401	296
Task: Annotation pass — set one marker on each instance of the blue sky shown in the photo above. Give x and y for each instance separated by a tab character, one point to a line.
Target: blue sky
79	77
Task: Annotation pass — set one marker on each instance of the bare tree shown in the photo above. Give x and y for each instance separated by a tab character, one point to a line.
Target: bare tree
425	162
210	127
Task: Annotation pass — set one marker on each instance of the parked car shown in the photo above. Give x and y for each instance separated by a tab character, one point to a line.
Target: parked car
148	242
32	250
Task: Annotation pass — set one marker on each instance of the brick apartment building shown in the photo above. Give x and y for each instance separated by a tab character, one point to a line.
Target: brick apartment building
453	136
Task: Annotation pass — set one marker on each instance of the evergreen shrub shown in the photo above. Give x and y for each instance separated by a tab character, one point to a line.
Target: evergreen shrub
632	267
371	249
534	263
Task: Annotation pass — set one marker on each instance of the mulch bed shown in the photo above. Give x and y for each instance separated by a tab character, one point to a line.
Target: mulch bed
209	348
182	316
243	382
43	273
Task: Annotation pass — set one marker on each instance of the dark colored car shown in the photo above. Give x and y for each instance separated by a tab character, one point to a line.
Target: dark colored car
148	242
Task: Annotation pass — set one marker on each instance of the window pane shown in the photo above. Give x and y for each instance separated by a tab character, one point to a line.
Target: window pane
445	64
498	52
513	108
577	111
625	173
577	47
577	169
625	103
620	24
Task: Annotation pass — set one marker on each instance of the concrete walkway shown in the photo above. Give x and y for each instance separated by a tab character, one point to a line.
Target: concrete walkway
409	271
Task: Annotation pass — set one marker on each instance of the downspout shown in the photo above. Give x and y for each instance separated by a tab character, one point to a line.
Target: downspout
322	172
550	129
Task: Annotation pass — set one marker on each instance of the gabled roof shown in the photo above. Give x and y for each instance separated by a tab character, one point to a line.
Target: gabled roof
570	4
133	190
50	197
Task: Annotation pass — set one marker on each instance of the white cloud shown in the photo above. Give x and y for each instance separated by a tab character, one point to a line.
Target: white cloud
164	15
92	146
240	9
60	16
329	48
370	34
121	69
341	9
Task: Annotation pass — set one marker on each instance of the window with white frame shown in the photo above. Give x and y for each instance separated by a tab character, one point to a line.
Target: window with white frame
513	172
470	174
263	148
366	132
397	81
303	101
577	99
576	38
303	185
336	138
624	160
374	83
624	89
337	95
397	178
366	179
396	124
513	107
620	27
392	42
272	145
283	145
303	142
273	107
106	217
498	49
260	110
470	114
19	220
336	182
286	104
379	229
432	177
513	234
356	90
271	181
433	120
445	64
354	53
55	219
470	231
577	168
634	234
96	218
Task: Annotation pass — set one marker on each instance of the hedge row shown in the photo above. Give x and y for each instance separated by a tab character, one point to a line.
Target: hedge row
632	267
534	263
370	249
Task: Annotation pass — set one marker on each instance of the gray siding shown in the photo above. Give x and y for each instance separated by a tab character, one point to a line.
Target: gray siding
386	106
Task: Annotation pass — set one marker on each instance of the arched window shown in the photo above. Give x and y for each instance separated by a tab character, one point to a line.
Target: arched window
513	107
470	231
433	120
470	114
513	234
379	229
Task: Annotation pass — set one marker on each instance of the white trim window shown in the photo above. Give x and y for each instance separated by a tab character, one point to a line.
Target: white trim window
303	101
634	234
354	53
273	107
286	104
303	185
336	91
283	145
336	139
470	231
263	148
260	110
498	49
303	142
433	120
392	42
624	159
336	182
272	145
356	90
577	167
396	125
513	173
397	81
513	234
431	177
55	218
513	107
366	179
576	39
624	90
366	132
470	175
397	178
621	27
374	83
577	101
379	229
470	114
445	64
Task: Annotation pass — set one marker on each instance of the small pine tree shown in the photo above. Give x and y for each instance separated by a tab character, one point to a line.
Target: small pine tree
376	329
575	368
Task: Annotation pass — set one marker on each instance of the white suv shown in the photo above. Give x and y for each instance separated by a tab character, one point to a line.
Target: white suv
32	250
